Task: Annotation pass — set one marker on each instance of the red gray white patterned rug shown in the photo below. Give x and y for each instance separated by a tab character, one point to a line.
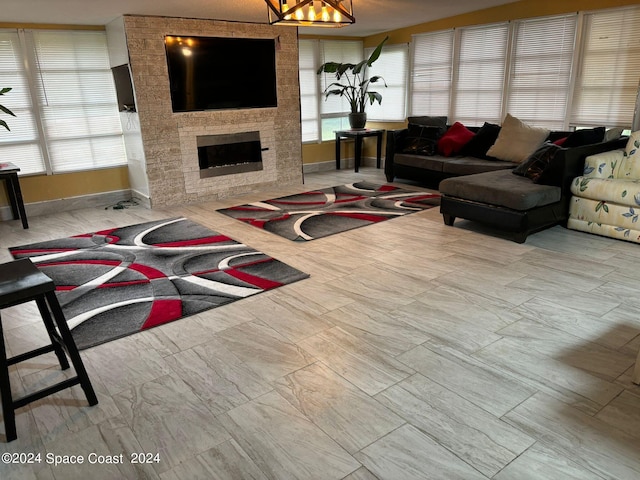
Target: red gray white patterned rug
319	213
119	281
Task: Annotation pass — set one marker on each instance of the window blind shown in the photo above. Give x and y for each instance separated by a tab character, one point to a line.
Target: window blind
607	84
309	86
431	64
342	52
77	100
480	74
19	146
541	62
392	65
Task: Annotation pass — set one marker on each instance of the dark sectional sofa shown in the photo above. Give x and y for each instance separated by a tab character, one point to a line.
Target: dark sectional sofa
399	163
486	190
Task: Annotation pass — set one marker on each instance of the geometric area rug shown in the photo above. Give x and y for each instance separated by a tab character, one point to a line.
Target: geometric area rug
319	213
120	281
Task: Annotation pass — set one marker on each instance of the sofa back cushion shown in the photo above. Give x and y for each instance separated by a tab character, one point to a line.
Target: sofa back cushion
630	165
482	141
517	141
585	136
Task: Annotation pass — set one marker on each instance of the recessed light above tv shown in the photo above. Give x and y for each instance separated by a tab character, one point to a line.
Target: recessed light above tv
219	73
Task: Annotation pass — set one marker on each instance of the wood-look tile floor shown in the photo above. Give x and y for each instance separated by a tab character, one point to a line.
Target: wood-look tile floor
414	351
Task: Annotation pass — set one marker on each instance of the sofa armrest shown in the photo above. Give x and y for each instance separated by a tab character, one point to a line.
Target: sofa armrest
395	143
573	160
603	165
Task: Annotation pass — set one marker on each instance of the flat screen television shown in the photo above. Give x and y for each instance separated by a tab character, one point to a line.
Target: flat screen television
217	73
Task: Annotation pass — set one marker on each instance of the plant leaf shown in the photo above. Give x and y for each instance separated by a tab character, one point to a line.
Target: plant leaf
4	124
7	111
376	53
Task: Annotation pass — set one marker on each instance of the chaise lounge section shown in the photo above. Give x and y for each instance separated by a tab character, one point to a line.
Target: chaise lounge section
519	205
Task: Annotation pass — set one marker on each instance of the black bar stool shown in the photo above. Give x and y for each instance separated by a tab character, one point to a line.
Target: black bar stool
21	282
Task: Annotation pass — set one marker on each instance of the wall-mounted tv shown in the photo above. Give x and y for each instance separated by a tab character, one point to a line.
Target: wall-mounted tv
217	73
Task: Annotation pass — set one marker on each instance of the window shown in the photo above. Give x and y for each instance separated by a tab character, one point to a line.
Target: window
479	81
334	110
309	85
66	101
21	145
540	77
392	66
320	116
609	69
431	59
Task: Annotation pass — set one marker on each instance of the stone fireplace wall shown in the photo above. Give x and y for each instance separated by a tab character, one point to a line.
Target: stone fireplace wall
169	138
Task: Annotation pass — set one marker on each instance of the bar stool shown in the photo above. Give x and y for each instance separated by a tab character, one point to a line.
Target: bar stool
21	282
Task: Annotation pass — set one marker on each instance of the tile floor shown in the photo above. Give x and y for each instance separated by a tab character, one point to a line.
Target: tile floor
414	351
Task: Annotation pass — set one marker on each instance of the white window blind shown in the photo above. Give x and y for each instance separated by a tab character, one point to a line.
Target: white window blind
480	74
392	65
540	78
77	100
343	52
309	86
431	64
610	69
19	146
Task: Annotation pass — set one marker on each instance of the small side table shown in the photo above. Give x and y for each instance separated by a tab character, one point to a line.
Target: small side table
9	173
358	135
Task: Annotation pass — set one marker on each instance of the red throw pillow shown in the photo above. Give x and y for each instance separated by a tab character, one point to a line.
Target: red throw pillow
454	139
561	141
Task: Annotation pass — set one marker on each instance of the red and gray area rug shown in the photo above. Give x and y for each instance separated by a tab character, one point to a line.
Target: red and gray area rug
119	281
320	213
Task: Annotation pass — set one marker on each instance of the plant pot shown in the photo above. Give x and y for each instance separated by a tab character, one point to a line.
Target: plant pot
357	120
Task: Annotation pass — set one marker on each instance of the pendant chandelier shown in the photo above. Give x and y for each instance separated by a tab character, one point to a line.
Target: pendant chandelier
311	13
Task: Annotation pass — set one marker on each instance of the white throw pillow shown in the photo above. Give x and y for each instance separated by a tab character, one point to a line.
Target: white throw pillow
517	140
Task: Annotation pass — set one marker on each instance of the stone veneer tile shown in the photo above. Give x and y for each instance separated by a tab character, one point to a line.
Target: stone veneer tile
171	159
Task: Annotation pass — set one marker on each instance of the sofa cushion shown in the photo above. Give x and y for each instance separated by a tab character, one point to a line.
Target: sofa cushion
630	164
585	136
471	165
433	162
517	140
540	166
454	139
613	134
614	190
421	139
482	141
501	188
429	121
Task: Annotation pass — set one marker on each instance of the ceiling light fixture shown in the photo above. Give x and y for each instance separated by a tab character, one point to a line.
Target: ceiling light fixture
311	13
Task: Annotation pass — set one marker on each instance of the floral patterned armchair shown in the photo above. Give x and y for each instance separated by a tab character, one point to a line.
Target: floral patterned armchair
606	198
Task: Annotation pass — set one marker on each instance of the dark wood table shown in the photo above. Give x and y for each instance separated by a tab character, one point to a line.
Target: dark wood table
358	135
9	173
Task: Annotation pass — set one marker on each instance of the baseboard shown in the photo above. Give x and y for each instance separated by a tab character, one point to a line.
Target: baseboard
345	163
141	198
36	209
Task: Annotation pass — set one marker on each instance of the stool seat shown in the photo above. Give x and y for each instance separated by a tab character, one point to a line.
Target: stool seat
21	282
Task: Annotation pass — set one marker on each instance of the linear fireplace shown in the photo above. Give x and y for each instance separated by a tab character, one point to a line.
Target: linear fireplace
229	153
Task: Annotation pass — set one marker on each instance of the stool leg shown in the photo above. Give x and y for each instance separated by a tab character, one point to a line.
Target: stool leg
74	355
5	391
53	335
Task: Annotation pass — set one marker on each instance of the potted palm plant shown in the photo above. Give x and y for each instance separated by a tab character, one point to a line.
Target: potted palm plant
5	109
353	84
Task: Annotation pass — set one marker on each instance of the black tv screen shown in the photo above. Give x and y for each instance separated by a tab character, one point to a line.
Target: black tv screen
217	73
